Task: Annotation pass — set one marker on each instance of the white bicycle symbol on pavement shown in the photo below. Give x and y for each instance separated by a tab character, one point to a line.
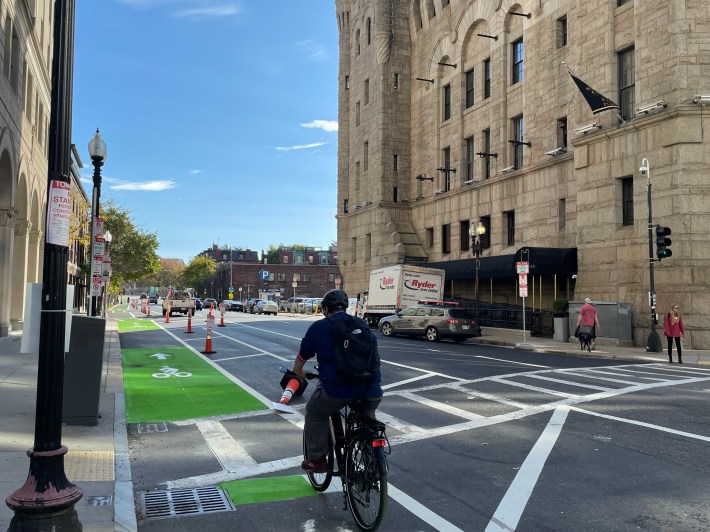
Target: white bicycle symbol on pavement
167	371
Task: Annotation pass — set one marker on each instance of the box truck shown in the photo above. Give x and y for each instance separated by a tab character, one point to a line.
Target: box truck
398	287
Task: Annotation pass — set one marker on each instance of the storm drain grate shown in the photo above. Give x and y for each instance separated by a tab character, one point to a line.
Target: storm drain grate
171	503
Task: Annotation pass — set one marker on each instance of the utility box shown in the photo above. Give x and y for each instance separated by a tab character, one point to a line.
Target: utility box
615	321
83	365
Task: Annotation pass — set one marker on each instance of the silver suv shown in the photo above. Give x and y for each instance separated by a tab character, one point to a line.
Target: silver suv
434	322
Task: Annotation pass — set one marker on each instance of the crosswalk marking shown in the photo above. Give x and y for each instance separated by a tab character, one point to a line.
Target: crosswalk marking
568	382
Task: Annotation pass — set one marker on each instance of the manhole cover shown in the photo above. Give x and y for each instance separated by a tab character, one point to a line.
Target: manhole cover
171	503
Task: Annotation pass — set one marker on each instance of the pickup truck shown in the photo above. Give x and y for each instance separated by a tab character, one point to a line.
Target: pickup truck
179	301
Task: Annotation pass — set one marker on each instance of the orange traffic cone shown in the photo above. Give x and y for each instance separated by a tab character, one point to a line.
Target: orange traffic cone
189	322
148	309
208	344
167	315
221	318
290	389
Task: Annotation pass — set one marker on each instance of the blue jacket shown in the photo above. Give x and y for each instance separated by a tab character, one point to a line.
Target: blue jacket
318	343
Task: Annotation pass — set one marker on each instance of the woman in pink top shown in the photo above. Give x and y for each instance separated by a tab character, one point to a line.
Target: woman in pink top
673	328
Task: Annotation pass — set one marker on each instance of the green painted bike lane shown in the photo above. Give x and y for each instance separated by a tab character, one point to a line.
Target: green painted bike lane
174	383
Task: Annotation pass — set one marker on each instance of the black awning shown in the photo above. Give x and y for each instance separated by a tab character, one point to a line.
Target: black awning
549	261
543	261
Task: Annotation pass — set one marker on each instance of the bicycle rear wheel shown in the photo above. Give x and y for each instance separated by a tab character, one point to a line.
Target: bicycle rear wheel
321	481
366	484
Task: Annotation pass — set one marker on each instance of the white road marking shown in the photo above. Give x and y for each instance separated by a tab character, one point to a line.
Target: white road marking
510	509
226	449
513	362
422	370
569	383
268	331
645	372
421	511
407	381
596	377
250	346
458	412
617	374
643	424
396	423
692	371
494	398
239	357
534	388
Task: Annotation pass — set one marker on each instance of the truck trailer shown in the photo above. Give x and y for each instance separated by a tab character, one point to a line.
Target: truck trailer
394	288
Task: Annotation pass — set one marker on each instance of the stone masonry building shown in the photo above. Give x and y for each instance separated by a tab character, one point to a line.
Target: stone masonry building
453	112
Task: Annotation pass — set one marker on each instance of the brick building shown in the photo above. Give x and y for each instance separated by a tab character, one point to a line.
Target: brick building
453	112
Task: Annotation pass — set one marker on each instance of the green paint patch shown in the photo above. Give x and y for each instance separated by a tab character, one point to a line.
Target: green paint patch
172	383
268	489
136	325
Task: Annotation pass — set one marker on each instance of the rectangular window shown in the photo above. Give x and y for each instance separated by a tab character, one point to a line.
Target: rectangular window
310	259
345	205
331	277
446	163
486	149
518	137
510	226
562	132
396	81
562	213
627	200
622	2
365	149
357	114
487	74
626	83
306	277
447	102
394	194
281	277
430	237
395	162
517	61
446	238
562	32
367	92
469	159
486	237
469	88
353	250
368	246
464	225
285	259
347	83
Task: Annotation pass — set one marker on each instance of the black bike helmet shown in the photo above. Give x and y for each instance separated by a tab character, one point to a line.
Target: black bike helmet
334	299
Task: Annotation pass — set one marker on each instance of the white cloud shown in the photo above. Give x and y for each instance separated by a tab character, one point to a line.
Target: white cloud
326	125
146	186
314	51
193	172
302	147
209	11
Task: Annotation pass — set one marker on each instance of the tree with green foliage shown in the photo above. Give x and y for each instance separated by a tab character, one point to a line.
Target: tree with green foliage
169	275
133	250
199	273
272	256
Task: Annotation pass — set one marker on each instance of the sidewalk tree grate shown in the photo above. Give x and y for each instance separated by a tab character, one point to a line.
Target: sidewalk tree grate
148	428
172	503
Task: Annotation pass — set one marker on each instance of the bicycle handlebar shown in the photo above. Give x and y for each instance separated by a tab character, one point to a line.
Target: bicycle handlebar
309	375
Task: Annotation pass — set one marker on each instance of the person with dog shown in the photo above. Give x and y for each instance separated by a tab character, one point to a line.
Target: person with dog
588	318
673	328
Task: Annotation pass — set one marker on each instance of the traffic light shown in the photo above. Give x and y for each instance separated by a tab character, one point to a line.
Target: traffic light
663	243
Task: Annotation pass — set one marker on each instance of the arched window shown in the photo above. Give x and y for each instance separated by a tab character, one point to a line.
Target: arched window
368	26
357	42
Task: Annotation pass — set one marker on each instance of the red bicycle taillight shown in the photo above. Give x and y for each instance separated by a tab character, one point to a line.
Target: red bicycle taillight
379	443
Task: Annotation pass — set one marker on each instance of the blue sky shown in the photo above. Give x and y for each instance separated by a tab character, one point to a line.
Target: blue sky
220	117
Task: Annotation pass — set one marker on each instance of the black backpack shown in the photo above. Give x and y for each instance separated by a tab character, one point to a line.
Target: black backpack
355	354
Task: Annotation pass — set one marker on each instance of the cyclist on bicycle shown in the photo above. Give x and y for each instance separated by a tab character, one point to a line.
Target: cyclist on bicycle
332	392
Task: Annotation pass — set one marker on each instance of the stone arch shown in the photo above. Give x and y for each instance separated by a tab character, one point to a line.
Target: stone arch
416	22
7	173
20	251
7	226
444	48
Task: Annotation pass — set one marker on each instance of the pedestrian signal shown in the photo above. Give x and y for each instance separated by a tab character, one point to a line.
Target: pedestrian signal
663	243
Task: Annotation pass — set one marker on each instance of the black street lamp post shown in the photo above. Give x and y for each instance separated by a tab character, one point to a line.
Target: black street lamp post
476	248
47	492
97	151
654	341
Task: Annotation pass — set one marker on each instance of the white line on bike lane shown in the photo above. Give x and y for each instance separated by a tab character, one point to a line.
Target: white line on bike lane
421	511
510	509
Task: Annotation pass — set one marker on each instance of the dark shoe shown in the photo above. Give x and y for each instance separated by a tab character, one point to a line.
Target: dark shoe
319	465
680	360
670	359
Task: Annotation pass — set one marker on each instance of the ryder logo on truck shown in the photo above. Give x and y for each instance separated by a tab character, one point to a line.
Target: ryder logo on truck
387	283
421	286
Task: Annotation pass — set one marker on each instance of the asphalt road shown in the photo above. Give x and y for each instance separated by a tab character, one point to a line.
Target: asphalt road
483	438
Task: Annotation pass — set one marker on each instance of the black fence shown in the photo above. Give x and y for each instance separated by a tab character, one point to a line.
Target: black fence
505	316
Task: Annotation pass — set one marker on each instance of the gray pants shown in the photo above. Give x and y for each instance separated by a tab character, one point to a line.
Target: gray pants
318	410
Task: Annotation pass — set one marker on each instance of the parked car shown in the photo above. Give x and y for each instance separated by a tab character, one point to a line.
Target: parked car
312	305
198	304
153	299
293	304
266	307
433	321
208	301
249	305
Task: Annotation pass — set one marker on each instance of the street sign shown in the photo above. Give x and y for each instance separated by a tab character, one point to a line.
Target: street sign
522	267
523	279
96	283
294	284
240	289
59	212
264	275
99	247
98	227
210	321
231	289
523	291
96	267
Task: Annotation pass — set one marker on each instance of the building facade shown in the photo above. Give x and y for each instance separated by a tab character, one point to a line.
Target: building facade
453	112
25	93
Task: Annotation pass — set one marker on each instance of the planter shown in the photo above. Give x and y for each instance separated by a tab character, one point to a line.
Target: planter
561	331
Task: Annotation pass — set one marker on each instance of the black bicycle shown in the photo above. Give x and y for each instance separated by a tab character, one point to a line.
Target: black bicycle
357	449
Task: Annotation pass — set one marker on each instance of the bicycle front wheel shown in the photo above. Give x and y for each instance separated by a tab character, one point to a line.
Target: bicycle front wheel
320	481
366	485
